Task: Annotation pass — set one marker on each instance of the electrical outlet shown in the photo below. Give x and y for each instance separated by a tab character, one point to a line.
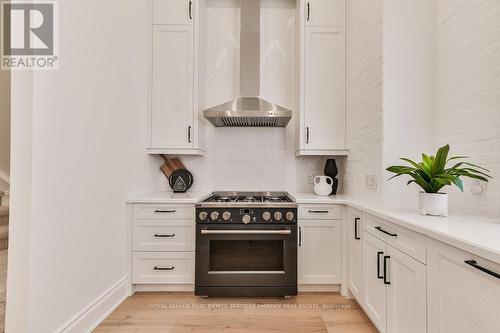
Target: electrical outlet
310	179
371	182
478	187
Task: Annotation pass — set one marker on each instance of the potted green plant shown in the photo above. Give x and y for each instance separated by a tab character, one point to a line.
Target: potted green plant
433	173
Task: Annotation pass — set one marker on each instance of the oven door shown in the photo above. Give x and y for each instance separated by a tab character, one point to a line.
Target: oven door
256	255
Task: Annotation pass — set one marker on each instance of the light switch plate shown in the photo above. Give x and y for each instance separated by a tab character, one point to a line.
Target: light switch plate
371	182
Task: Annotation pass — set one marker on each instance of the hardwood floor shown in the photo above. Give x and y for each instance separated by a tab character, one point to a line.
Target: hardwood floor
184	312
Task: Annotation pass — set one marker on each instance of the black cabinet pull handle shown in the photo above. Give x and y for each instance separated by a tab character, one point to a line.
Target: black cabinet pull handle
165	211
474	264
308	10
318	211
385	270
189	134
307	134
386	232
190	10
300	236
378	265
164	235
158	268
356	235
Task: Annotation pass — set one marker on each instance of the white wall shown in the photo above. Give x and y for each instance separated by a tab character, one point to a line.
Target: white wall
252	158
365	96
409	89
4	128
88	140
468	92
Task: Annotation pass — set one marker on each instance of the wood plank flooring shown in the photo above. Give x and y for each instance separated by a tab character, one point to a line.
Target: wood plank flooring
184	312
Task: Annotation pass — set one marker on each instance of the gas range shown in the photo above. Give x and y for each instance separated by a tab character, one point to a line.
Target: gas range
247	207
246	244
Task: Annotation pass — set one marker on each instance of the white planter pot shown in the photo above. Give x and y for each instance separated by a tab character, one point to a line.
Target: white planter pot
434	204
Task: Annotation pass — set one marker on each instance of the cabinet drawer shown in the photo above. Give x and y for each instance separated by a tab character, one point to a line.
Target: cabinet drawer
320	212
161	235
407	241
163	267
153	211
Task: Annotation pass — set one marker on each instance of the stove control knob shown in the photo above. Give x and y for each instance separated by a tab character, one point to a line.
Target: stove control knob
266	216
214	215
278	216
289	216
203	216
226	215
246	218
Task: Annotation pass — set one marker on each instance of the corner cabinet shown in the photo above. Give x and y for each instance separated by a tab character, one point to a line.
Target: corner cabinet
175	122
322	78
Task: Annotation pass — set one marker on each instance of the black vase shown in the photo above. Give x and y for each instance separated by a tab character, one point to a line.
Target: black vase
332	171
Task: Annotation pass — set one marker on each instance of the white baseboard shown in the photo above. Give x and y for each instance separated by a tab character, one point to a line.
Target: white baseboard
318	288
95	313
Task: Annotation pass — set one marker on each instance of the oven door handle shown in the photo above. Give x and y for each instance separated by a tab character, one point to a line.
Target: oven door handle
246	232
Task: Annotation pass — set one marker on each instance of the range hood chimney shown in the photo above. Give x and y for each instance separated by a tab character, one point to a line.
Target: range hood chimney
249	110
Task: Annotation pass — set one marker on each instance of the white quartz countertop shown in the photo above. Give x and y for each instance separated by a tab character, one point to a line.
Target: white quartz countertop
169	197
476	234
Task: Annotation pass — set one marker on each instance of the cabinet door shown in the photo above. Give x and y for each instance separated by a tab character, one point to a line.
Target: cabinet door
354	255
324	111
461	297
406	293
325	13
320	252
172	87
374	290
173	11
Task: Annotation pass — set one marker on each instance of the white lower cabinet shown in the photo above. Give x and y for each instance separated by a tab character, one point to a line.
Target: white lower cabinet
394	288
354	253
162	245
163	267
374	290
463	291
320	252
406	293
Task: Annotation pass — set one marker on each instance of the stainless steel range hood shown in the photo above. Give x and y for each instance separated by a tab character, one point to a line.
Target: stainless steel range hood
249	110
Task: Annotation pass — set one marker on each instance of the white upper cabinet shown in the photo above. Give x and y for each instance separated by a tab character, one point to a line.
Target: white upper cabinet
324	112
177	37
321	57
173	12
325	13
463	291
172	98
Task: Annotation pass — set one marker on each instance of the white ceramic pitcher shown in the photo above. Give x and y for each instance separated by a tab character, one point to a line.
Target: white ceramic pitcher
323	185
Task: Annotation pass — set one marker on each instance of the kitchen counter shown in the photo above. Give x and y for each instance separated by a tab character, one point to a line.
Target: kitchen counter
476	234
169	197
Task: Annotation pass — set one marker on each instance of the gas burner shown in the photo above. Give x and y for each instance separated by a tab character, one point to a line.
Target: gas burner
246	199
250	199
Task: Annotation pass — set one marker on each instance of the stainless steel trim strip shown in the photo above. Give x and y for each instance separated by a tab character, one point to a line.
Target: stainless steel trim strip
246	272
246	232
